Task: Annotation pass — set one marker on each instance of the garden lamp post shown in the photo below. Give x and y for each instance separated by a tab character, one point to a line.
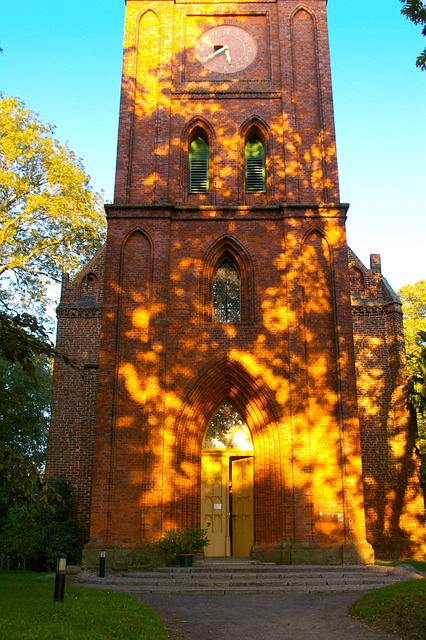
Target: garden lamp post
61	571
102	564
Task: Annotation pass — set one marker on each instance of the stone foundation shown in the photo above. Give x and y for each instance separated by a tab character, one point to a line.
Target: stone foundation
311	553
145	557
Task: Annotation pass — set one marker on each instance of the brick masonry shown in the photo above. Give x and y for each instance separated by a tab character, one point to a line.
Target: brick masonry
316	365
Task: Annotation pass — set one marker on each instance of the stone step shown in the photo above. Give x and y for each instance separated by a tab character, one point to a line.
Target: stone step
268	570
223	578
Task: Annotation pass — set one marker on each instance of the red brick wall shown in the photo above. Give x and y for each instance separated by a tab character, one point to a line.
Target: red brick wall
287	89
393	499
71	436
289	365
279	367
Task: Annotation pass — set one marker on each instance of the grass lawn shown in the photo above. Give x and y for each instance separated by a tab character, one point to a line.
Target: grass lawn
421	566
397	609
29	613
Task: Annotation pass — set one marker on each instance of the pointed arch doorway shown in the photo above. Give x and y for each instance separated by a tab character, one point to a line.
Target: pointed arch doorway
227	480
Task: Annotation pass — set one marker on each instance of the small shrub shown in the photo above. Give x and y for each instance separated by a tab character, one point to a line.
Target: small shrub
178	541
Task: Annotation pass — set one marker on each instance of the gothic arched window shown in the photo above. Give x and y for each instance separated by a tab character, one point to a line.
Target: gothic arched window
254	166
227	430
198	166
227	292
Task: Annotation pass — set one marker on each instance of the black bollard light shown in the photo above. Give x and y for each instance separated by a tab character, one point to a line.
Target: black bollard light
102	564
61	572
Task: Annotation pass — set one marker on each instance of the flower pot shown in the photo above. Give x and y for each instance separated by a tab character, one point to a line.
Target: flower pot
185	559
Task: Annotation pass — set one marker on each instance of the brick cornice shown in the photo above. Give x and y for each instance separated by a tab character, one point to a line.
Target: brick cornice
224	95
374	307
206	212
78	312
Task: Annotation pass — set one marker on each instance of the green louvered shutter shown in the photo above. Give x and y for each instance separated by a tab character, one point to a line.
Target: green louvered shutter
198	166
255	166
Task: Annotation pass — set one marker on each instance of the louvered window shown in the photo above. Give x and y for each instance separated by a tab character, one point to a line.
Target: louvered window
255	166
199	166
227	292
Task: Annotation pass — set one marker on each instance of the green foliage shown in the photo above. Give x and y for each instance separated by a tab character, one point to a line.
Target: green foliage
413	298
418	397
23	340
50	219
34	533
28	611
397	609
415	10
176	541
20	478
24	407
418	374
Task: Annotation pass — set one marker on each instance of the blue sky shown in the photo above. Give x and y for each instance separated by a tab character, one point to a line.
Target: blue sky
64	60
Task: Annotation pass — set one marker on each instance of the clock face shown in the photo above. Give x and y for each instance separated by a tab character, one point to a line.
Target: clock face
226	48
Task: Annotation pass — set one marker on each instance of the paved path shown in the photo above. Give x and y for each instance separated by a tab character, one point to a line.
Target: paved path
301	616
313	602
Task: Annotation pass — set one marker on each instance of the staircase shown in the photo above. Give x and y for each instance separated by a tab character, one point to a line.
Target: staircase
246	577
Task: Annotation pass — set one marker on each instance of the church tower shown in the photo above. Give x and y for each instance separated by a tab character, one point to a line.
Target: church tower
226	382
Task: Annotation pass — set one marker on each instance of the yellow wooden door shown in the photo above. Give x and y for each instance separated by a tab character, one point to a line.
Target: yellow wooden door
242	506
215	503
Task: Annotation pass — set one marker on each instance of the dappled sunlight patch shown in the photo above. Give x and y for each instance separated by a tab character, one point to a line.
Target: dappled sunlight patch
134	386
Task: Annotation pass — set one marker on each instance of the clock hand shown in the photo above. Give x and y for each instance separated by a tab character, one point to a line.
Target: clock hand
228	55
215	53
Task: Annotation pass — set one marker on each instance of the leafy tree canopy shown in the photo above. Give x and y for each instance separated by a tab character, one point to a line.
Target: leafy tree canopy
413	297
23	340
418	379
51	221
37	530
415	10
24	408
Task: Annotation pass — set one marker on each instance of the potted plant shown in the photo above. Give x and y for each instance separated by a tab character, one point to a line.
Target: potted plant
183	544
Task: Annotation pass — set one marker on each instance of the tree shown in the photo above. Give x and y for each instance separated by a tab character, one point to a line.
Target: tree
51	221
25	355
25	408
23	340
418	378
413	298
418	397
34	535
415	10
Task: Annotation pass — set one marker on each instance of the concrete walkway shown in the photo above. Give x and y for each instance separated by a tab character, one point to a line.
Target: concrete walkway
249	601
300	616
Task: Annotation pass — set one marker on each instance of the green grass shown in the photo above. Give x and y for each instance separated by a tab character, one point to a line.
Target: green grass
29	613
421	566
397	609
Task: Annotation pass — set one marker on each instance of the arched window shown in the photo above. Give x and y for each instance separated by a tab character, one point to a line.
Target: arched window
227	430
254	166
227	292
89	287
198	166
356	280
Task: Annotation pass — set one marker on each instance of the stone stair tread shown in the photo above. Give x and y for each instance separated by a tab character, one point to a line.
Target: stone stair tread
240	581
248	578
276	570
254	589
288	568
